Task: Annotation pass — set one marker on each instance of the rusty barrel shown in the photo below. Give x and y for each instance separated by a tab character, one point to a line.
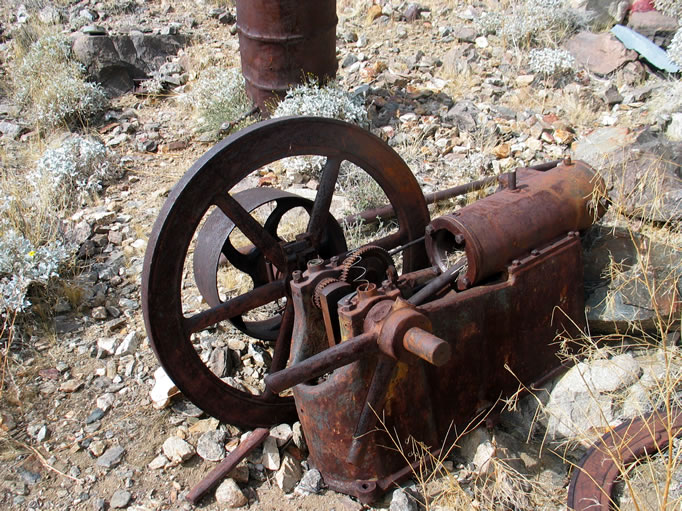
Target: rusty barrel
282	42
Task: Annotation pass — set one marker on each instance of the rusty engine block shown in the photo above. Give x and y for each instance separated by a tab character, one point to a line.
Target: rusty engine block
484	292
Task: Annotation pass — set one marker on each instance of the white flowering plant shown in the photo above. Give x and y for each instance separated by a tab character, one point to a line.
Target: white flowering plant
551	62
78	169
50	84
675	48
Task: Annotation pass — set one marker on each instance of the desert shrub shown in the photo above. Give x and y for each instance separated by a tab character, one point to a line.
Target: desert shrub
675	48
550	62
669	7
323	101
33	248
77	169
218	96
50	84
530	22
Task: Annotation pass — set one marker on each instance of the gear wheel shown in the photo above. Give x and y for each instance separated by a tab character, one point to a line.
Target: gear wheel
376	262
317	300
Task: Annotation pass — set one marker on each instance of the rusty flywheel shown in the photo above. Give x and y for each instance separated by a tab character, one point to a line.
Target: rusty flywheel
205	196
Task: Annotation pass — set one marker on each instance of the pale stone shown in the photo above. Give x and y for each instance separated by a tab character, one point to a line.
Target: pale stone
177	450
129	344
159	462
282	433
271	459
230	494
289	473
105	401
163	390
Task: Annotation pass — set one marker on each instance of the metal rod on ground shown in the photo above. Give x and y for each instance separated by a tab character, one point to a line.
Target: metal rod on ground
227	465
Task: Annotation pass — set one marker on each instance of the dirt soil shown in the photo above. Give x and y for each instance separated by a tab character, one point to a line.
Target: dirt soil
60	471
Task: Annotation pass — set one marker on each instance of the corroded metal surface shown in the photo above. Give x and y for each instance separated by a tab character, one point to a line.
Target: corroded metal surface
416	369
594	478
207	185
282	43
373	358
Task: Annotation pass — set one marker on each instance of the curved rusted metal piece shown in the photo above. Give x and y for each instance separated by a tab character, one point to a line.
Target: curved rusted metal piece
214	239
594	477
207	184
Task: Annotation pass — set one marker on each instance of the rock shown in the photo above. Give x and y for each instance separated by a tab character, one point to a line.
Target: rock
463	114
230	494
159	462
50	15
116	61
220	362
604	12
481	42
654	25
163	390
240	473
674	131
600	53
271	458
644	178
601	142
177	450
97	448
465	34
211	445
476	447
120	499
289	473
129	344
99	504
412	13
111	457
298	438
10	130
582	403
311	483
349	60
105	401
96	415
402	501
106	346
282	433
72	385
612	96
99	313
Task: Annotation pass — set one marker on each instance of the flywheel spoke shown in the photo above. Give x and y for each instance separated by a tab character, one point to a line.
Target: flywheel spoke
254	231
323	200
236	306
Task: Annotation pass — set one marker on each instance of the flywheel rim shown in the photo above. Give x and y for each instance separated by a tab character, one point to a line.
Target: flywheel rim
219	170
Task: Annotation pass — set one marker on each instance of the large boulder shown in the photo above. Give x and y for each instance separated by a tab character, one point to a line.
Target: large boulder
117	61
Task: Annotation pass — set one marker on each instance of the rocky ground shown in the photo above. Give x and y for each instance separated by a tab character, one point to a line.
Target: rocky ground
82	430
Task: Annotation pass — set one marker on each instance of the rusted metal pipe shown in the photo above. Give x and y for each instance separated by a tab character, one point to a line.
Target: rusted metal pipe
427	346
228	464
322	363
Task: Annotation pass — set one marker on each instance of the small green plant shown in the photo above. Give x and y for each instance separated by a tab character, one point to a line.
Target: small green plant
50	84
218	97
